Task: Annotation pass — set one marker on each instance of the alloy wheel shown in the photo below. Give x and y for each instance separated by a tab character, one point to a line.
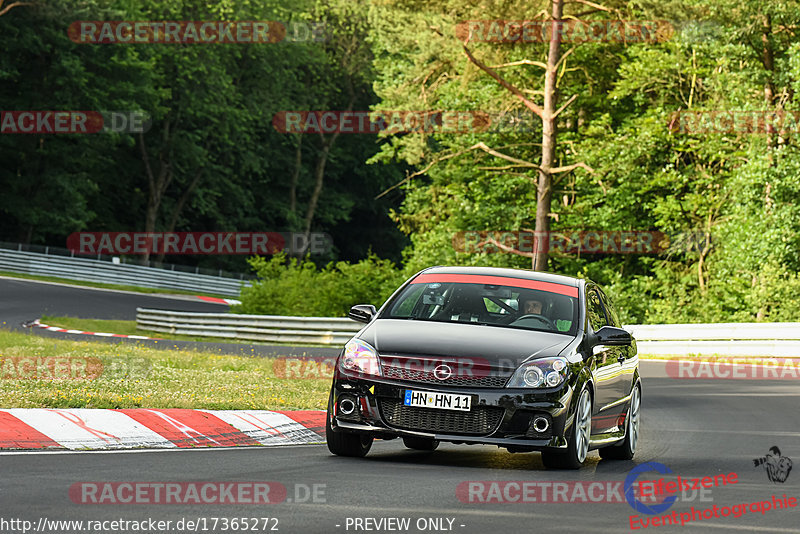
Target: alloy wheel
634	419
583	426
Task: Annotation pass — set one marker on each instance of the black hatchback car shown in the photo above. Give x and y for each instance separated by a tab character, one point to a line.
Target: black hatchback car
519	359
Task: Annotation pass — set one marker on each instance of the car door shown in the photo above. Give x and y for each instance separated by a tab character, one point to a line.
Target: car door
607	368
626	355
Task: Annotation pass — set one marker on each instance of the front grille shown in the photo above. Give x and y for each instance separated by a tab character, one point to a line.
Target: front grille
427	377
466	373
480	420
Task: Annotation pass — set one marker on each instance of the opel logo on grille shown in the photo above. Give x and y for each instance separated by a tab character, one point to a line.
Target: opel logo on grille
442	372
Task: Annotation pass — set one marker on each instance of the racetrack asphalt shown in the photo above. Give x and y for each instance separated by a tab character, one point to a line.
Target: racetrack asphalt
23	301
696	428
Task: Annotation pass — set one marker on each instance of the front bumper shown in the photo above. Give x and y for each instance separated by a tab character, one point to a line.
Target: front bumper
498	416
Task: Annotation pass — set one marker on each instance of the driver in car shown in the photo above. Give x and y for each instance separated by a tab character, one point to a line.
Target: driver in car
531	306
531	313
527	305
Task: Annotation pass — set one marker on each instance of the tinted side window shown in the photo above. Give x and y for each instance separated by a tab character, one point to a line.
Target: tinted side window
594	310
610	311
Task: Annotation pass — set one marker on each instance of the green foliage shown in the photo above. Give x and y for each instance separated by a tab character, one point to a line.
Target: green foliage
299	288
212	107
739	191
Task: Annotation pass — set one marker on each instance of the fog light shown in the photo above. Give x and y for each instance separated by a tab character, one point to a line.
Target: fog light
541	424
348	406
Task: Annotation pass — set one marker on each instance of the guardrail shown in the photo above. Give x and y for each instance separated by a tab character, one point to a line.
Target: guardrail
268	328
731	339
727	339
109	272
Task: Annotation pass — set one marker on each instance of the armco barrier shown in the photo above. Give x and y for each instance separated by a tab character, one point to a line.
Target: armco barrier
732	339
93	270
267	328
728	339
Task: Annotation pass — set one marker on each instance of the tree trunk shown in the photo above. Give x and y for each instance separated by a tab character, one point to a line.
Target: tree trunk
544	189
768	58
319	174
319	180
298	163
176	212
156	185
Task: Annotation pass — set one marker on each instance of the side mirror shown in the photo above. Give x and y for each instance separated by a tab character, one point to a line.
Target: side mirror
612	336
363	313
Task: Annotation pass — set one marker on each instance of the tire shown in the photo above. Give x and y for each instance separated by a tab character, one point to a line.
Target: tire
420	444
578	441
345	443
626	449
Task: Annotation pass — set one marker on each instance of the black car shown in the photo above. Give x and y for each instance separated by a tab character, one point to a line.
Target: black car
525	360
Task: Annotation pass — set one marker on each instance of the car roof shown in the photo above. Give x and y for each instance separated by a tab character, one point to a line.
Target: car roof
526	274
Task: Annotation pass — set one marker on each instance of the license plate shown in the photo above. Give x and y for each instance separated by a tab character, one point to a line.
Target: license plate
428	399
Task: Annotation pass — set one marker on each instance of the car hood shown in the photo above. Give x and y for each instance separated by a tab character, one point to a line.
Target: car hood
498	345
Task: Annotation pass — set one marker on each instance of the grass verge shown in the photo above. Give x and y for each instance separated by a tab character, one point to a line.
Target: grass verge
111	326
133	376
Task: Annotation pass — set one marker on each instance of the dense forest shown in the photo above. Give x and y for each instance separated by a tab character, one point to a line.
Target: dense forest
211	160
685	126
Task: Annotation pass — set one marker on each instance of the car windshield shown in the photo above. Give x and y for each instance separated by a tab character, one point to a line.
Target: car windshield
536	305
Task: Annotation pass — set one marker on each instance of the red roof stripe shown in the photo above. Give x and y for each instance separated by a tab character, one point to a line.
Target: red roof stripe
550	287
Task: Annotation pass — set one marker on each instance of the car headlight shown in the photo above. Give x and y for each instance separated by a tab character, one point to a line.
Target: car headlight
360	358
543	373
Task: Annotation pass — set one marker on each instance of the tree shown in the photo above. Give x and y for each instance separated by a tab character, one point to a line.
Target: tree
5	9
53	184
548	113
